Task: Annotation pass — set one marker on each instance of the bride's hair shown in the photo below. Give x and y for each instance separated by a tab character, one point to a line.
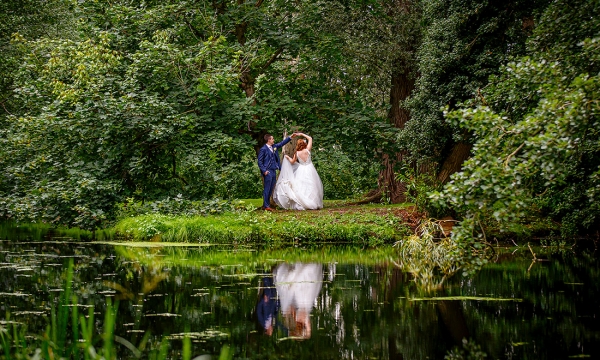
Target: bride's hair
301	145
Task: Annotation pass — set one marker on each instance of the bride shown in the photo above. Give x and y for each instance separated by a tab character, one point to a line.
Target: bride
299	186
298	286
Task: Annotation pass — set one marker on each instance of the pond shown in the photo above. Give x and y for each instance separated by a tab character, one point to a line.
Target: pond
318	303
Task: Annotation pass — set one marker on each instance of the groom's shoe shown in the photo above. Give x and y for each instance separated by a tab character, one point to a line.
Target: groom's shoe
267	209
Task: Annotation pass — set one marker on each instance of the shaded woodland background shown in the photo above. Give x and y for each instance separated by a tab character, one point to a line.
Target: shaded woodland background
482	110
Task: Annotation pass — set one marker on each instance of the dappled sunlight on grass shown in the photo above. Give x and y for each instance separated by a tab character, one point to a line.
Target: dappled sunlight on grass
365	225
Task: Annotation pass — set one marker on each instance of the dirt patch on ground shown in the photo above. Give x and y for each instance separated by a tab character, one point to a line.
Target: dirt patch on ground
411	217
407	215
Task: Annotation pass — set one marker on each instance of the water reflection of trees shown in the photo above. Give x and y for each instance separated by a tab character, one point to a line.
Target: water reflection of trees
360	312
356	314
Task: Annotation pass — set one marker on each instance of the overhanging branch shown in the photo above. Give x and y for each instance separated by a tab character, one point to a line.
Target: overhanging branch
272	59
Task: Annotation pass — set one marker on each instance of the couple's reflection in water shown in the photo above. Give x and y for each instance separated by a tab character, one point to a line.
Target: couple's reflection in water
291	289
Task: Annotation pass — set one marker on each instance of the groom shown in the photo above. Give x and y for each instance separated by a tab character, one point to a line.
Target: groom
268	162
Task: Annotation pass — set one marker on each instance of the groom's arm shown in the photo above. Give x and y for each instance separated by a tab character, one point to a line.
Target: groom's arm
261	161
281	144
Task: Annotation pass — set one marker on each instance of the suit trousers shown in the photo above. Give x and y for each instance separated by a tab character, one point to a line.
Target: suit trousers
269	185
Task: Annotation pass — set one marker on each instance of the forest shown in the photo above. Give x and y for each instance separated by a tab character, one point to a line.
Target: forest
486	111
452	137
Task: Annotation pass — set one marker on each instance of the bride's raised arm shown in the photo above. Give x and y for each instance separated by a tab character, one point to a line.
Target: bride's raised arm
291	160
309	145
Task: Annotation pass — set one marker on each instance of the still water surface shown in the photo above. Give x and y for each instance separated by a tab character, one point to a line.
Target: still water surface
324	303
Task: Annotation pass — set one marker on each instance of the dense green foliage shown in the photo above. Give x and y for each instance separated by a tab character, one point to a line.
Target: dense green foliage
537	149
152	100
464	42
163	104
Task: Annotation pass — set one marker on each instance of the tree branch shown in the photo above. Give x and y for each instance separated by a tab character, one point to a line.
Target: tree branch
175	174
195	31
472	42
272	59
513	154
5	109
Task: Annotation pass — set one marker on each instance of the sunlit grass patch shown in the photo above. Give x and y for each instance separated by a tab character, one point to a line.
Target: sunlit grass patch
371	226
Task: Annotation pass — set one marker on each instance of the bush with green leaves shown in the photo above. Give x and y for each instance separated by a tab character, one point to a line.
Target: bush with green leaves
344	175
418	188
178	205
220	166
152	99
93	132
537	148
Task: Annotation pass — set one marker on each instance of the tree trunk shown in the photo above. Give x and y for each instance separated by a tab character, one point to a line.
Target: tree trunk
290	148
453	163
401	87
248	74
453	317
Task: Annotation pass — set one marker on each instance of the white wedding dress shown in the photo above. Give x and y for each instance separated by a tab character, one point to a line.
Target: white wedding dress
298	286
299	186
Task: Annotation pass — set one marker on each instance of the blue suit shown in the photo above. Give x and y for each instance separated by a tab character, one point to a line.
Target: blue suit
267	306
269	161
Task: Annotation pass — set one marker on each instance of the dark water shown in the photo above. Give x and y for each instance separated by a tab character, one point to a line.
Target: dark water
322	303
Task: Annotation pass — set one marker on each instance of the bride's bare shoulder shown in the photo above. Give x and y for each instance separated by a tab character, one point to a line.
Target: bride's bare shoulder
303	154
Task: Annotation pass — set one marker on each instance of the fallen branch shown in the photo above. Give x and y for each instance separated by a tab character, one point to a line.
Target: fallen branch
370	198
532	253
476	298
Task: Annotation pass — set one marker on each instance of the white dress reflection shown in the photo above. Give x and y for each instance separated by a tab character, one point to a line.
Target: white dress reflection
298	286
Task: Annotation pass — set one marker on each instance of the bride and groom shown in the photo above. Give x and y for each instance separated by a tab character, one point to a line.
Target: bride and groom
299	186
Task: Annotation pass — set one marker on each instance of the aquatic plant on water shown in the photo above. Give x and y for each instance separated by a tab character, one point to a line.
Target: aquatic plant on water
431	257
70	335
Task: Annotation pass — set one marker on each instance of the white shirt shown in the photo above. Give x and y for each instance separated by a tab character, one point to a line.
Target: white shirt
271	148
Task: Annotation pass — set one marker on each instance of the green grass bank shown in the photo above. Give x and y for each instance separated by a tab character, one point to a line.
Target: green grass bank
336	223
249	258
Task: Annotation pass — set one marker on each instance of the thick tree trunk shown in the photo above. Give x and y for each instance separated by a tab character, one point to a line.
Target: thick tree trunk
401	87
247	84
453	163
248	74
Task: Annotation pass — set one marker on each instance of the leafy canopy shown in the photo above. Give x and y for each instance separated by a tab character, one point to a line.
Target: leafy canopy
536	129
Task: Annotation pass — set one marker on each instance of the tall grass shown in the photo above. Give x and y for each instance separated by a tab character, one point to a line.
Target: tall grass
70	335
61	340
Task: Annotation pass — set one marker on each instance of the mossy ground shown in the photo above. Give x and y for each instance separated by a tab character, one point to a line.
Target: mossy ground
337	222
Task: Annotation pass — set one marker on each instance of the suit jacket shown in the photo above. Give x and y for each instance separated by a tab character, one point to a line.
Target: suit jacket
269	160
